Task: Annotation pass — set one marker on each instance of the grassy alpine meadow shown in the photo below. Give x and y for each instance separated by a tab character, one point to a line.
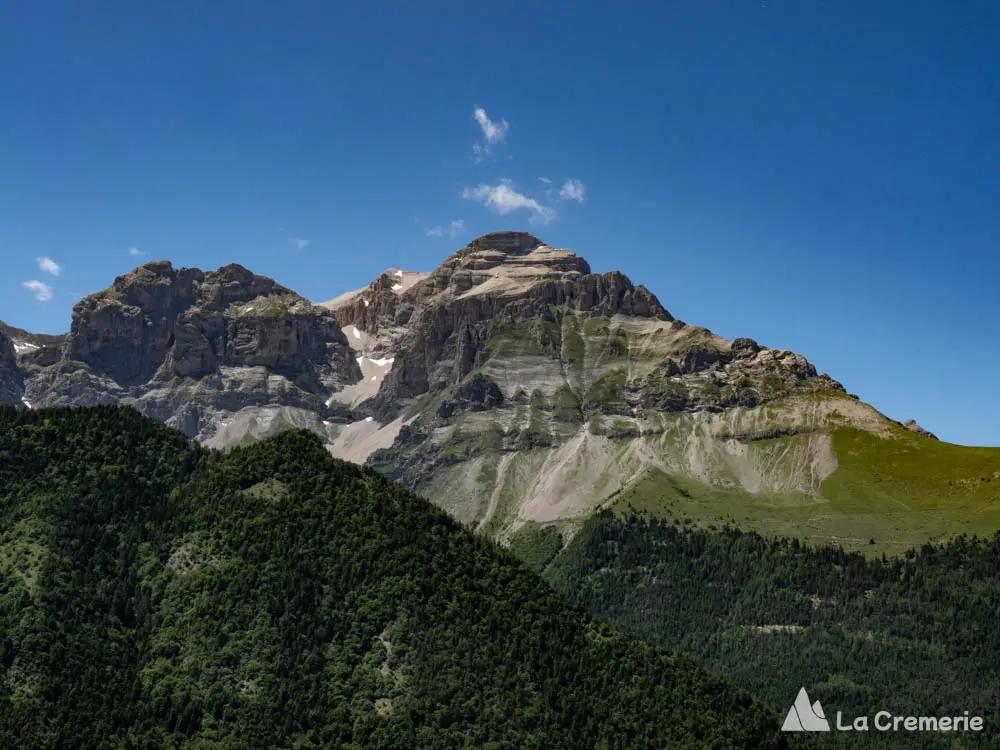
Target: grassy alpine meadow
886	495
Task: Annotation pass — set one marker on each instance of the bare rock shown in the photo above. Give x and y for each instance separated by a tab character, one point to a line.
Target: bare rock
11	385
189	347
914	427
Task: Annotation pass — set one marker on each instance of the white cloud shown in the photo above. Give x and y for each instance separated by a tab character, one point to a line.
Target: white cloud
572	191
493	133
299	243
43	292
549	192
48	265
458	225
135	252
504	199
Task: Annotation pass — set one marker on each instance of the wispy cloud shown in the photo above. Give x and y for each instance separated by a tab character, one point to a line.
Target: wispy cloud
549	192
494	133
503	199
135	252
43	292
454	228
48	265
572	191
300	243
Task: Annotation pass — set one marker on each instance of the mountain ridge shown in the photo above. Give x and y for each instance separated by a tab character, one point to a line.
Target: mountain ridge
511	383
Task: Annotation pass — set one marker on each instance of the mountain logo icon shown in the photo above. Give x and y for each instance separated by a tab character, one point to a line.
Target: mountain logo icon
803	717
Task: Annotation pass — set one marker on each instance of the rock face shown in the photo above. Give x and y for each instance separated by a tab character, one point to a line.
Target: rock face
438	326
511	384
189	347
524	387
163	322
912	425
11	387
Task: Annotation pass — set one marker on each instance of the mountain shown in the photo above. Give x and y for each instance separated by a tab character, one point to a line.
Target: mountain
525	392
522	392
156	594
192	349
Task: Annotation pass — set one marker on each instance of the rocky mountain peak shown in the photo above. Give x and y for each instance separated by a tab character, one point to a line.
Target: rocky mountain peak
191	346
513	250
160	289
514	271
511	243
435	326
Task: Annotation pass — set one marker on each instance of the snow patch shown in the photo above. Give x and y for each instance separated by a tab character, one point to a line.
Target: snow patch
396	287
26	403
373	372
384	362
369	419
366	302
20	347
355	332
399	274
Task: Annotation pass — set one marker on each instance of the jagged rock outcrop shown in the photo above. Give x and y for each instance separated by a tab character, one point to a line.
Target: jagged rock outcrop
11	387
190	347
166	322
437	325
509	272
911	424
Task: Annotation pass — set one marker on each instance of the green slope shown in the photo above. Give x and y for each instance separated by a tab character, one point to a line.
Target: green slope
913	635
887	494
153	594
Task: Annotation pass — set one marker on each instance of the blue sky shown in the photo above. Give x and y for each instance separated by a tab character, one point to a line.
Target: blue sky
821	176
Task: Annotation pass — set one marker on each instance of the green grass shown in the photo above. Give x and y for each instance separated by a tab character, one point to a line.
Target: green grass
536	544
270	490
523	338
21	557
574	347
900	491
566	406
607	394
536	434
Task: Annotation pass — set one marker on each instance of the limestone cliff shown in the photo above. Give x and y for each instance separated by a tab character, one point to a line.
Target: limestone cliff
438	326
189	347
11	387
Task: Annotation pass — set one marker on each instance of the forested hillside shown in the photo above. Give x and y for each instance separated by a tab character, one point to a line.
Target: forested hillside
914	635
154	594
